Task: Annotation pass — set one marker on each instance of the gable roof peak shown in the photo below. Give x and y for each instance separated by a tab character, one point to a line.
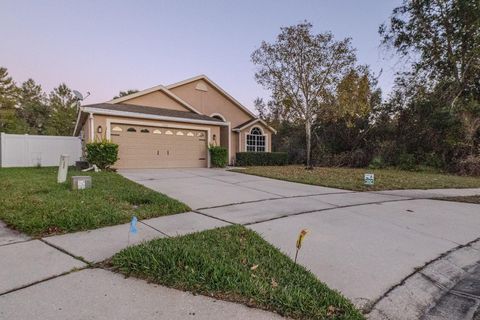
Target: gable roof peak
216	86
153	89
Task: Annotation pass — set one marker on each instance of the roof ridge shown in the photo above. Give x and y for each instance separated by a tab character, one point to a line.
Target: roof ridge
153	89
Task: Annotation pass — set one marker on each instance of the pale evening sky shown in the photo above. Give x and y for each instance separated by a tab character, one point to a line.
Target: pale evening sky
107	46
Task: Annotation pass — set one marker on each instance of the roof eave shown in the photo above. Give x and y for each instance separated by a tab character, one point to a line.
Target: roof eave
150	116
251	123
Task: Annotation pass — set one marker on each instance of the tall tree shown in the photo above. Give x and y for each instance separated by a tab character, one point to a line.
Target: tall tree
442	37
125	93
355	95
33	107
9	121
63	105
300	69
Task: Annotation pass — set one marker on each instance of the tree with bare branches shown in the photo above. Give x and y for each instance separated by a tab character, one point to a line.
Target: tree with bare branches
302	69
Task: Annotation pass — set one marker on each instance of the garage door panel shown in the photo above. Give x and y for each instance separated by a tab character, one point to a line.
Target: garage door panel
159	147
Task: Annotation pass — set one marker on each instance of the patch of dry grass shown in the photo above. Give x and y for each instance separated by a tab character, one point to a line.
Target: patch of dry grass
352	178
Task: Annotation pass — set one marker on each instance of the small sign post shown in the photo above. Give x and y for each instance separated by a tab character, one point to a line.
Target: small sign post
81	182
62	169
300	238
369	179
133	228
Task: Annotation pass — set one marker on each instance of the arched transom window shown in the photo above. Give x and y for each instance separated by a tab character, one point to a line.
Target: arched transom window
256	140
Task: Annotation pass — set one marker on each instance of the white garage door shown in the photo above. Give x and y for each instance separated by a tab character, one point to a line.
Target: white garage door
157	147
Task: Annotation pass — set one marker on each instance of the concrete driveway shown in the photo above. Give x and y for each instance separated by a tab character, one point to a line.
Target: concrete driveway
365	245
205	188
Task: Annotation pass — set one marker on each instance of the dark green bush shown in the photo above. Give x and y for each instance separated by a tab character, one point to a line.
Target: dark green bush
406	161
262	158
433	160
102	154
218	156
388	152
377	163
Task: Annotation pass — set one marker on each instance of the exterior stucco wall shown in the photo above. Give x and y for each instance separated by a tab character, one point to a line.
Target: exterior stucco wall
211	101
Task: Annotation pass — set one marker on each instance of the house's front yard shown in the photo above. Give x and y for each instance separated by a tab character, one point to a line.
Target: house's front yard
33	202
235	264
352	178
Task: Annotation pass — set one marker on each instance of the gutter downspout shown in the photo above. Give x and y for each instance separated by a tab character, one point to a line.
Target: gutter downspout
91	135
78	120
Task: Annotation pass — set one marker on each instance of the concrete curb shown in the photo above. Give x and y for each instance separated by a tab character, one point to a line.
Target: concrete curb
438	289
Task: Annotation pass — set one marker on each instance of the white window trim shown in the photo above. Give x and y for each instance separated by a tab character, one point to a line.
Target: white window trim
159	125
218	115
263	134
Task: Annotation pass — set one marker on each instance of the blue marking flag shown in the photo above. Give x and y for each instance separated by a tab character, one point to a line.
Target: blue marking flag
133	225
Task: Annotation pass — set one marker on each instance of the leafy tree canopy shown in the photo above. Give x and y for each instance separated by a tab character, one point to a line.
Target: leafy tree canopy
442	38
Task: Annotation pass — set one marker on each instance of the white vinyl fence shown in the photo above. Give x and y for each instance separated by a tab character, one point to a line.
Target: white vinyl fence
23	150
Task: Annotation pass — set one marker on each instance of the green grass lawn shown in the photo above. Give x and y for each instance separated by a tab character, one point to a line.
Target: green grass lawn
33	202
235	264
352	178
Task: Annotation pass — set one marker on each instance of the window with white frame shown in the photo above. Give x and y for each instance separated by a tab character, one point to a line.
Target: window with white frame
256	140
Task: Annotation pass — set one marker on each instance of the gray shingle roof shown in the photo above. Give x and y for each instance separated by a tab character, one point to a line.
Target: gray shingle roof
244	124
152	111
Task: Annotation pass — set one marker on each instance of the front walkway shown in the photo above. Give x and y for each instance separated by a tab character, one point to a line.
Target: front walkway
362	244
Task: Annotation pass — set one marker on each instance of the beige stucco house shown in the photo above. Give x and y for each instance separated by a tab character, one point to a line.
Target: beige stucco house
172	126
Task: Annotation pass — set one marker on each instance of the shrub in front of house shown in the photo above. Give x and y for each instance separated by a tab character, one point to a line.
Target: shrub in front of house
261	159
103	154
218	156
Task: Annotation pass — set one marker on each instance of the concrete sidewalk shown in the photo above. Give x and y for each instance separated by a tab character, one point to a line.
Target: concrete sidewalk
48	279
24	263
8	236
100	244
99	294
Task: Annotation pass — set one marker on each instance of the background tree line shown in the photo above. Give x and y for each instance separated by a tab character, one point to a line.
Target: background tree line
26	108
329	111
